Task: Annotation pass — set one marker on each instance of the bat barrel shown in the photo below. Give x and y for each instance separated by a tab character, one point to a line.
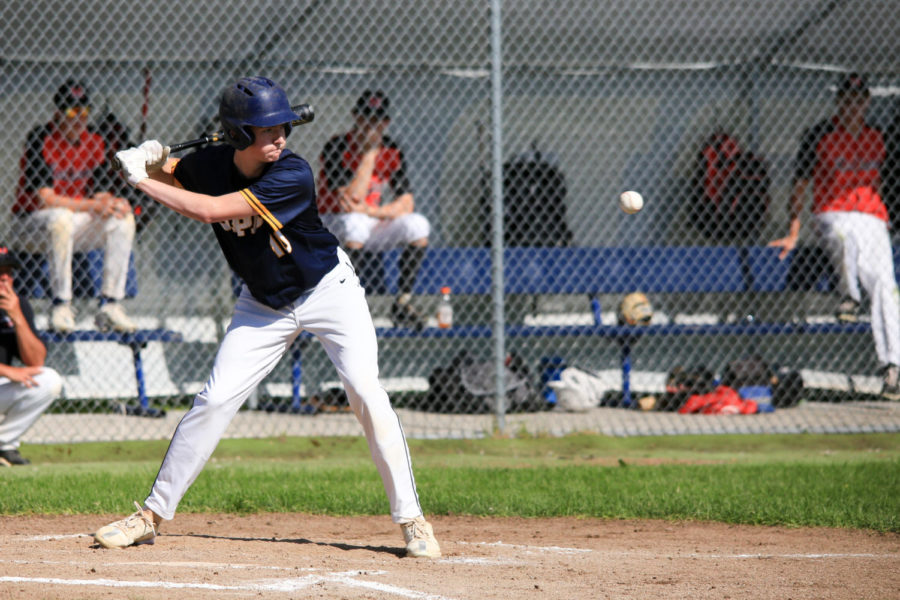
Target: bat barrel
305	112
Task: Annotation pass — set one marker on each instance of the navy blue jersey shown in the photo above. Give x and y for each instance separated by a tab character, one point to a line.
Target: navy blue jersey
284	249
9	341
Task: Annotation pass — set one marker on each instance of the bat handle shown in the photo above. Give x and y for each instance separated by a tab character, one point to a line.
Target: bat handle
206	139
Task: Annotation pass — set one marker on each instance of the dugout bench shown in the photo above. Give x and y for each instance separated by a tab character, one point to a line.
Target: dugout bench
595	271
87	275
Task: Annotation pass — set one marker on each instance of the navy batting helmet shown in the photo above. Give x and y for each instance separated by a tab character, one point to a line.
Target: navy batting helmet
256	101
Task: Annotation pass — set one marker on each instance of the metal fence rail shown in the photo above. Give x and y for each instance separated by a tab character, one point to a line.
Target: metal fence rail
530	116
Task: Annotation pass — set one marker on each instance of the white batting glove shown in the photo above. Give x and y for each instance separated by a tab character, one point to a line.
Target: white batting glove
156	155
133	163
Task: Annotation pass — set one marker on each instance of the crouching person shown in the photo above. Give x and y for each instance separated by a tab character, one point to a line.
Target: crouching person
25	391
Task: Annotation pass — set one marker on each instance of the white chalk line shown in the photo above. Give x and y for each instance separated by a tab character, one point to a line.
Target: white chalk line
294	584
477	560
797	556
170	564
557	549
47	538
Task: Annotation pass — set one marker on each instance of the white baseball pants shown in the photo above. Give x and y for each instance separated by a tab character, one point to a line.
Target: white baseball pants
860	250
22	406
59	233
377	234
336	312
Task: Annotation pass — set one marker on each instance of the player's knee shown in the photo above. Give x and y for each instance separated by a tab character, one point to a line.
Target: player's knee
416	227
356	229
123	228
60	226
48	388
366	388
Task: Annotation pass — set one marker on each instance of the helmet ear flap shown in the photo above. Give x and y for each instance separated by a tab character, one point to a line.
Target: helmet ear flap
238	136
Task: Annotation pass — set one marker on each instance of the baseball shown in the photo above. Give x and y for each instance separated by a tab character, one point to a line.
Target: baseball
631	202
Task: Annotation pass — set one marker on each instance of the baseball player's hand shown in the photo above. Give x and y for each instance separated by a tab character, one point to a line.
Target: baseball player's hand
156	155
24	375
134	165
787	244
370	138
9	301
106	205
352	206
348	203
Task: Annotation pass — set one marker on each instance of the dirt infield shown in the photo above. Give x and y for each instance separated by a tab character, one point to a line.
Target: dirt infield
293	556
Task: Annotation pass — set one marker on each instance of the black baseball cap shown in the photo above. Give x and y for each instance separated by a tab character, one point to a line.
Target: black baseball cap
372	104
71	93
8	258
853	83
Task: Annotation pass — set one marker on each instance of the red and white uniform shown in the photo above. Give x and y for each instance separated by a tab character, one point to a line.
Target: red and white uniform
73	170
339	160
851	219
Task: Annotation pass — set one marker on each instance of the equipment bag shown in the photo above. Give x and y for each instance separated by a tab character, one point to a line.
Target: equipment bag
534	203
468	386
731	190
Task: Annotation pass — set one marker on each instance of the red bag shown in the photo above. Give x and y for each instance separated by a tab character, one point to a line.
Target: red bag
722	401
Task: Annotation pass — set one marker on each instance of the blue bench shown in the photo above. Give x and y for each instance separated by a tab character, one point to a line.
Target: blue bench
595	271
87	278
136	341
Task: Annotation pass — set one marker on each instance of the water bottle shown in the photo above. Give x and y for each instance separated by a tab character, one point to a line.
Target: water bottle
445	310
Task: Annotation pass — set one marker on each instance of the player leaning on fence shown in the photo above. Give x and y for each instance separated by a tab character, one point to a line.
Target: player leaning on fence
842	156
260	199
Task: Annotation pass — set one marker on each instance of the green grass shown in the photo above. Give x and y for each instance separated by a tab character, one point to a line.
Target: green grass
848	481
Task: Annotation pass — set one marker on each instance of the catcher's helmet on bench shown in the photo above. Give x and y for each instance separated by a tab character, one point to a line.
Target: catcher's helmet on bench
635	309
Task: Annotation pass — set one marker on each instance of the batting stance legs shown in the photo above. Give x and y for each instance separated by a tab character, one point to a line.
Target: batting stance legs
336	312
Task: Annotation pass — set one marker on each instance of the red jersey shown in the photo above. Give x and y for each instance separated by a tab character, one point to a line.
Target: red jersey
844	169
339	161
50	160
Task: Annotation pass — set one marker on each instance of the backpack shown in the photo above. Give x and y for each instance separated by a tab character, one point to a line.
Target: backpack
467	386
682	383
534	204
731	190
578	390
749	371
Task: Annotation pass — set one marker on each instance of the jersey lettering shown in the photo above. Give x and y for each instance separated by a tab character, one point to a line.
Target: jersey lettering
241	226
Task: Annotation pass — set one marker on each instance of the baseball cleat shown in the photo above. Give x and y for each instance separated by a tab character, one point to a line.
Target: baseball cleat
62	319
891	388
420	540
112	316
130	531
848	311
12	457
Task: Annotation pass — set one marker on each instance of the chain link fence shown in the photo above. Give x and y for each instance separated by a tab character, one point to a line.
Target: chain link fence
538	112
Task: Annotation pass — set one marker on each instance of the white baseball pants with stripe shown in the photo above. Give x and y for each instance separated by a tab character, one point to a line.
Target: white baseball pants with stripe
860	250
22	406
337	313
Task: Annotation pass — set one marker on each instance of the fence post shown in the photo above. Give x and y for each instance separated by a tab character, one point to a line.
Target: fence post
497	292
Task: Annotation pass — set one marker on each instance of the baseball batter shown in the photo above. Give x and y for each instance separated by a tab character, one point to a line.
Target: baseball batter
260	200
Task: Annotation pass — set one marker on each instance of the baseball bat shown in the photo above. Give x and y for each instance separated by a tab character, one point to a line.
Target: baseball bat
146	105
304	111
